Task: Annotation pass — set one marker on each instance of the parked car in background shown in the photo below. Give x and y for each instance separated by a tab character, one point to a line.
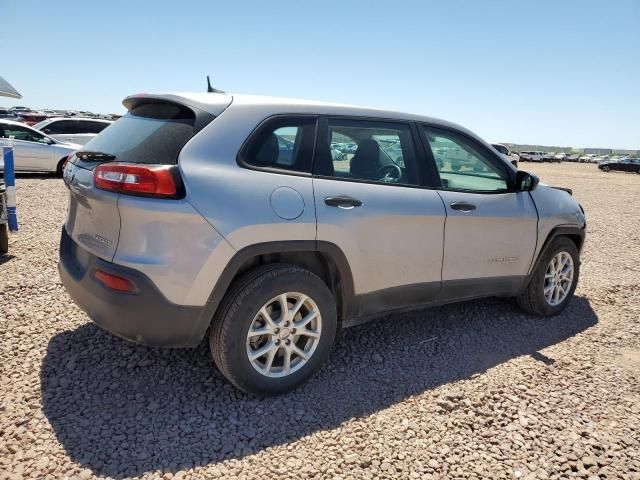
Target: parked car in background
600	159
571	157
75	130
34	151
213	232
559	157
31	118
548	156
6	113
626	164
532	156
508	155
588	158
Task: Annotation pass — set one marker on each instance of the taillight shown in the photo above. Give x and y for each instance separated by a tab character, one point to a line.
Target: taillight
135	179
115	282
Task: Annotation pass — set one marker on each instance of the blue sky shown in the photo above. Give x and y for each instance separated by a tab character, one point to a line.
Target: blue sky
547	72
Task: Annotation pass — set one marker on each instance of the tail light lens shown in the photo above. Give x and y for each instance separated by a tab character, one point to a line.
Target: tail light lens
136	179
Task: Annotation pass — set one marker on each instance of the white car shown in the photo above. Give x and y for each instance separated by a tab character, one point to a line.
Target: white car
33	151
600	159
507	154
588	158
73	130
532	156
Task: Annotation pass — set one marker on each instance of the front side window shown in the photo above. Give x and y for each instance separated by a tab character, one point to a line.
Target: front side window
88	126
283	143
462	164
20	133
369	150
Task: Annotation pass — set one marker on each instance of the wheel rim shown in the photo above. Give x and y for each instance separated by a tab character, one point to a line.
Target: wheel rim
558	278
284	334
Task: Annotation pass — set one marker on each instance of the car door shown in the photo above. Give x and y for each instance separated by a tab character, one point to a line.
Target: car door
31	152
490	230
371	205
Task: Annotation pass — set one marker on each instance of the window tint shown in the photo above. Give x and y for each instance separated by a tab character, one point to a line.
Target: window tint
60	127
285	143
20	133
149	133
462	164
88	126
368	150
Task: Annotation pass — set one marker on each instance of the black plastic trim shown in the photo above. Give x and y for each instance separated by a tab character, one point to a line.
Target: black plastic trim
574	230
242	256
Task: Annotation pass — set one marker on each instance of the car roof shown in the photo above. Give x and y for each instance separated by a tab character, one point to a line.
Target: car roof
212	103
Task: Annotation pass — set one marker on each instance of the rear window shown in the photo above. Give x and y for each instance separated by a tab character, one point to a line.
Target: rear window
149	133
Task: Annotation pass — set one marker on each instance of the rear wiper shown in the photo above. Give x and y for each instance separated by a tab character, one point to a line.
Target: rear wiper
101	156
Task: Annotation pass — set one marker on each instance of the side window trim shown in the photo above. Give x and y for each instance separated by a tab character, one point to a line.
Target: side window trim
242	152
495	161
424	179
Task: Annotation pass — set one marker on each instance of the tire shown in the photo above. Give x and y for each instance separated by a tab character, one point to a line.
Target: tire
60	167
605	169
532	299
241	309
4	239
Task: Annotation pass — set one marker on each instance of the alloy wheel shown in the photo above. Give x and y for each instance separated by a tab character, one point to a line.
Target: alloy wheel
284	334
558	278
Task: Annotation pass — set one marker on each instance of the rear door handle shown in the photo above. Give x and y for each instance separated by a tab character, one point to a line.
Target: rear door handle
342	201
463	206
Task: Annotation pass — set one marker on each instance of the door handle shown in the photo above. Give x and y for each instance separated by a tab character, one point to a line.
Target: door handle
463	206
342	201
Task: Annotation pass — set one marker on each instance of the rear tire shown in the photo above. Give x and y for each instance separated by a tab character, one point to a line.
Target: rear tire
533	299
4	239
280	368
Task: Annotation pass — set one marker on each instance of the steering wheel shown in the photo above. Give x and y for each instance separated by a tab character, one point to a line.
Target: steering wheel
389	173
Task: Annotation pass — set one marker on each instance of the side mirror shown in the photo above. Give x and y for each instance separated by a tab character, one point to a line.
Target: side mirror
47	140
526	182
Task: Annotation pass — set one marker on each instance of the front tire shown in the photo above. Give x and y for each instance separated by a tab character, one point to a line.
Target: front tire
554	281
605	169
274	329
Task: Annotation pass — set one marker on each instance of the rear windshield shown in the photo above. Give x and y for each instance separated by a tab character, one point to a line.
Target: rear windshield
149	133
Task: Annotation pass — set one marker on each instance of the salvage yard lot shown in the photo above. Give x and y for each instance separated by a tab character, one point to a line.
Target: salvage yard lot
475	390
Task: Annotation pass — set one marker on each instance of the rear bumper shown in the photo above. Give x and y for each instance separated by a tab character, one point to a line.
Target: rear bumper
145	316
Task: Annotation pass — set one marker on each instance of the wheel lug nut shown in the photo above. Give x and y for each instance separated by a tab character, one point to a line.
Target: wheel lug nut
287	341
293	330
277	342
277	330
286	324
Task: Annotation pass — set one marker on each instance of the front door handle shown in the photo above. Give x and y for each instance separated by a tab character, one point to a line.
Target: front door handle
463	206
342	201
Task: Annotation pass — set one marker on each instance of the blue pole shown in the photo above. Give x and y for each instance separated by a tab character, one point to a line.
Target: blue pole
10	182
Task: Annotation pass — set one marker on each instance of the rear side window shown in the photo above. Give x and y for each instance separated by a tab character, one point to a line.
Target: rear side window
150	133
60	127
88	126
282	143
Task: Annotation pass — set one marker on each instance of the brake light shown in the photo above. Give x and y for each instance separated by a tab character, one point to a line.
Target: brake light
115	282
134	179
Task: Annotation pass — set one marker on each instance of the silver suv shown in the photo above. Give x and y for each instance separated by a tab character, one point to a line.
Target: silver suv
230	216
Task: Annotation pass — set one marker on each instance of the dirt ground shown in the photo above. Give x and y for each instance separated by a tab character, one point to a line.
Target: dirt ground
475	390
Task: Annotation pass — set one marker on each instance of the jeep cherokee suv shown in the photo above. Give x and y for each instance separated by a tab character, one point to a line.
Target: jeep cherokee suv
228	216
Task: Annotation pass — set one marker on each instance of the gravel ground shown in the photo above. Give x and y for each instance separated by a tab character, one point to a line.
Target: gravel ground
476	390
